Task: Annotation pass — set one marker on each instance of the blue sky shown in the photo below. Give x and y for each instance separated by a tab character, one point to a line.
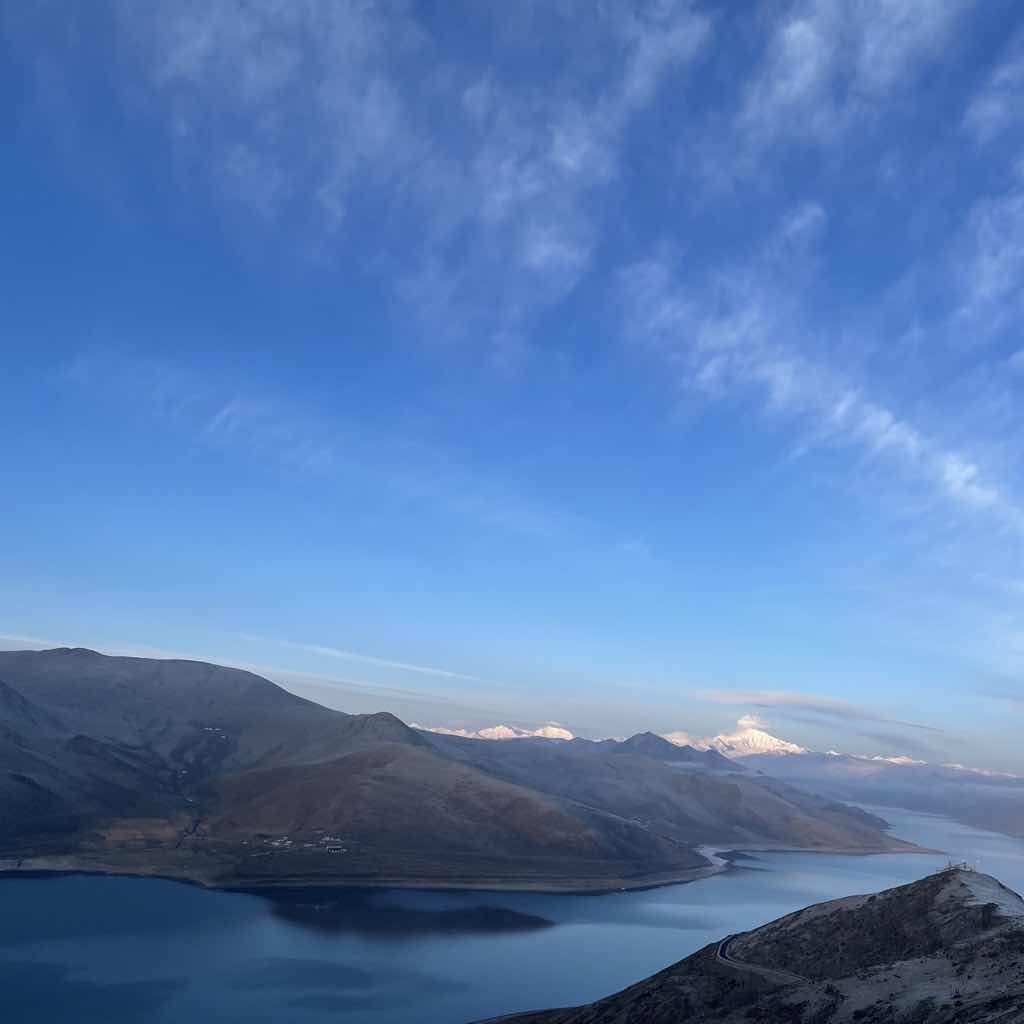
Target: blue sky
625	366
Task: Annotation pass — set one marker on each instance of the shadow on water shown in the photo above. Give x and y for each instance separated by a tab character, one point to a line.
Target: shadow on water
327	985
368	917
108	950
52	993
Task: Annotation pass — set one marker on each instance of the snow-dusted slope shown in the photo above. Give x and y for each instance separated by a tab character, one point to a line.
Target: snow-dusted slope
551	731
749	741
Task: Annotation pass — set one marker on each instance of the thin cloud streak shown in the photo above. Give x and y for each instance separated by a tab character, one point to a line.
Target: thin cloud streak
826	706
996	107
821	79
518	184
288	677
283	434
28	641
343	655
737	334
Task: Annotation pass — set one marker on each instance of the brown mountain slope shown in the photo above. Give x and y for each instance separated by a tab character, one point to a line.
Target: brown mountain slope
948	949
404	812
86	738
675	800
215	774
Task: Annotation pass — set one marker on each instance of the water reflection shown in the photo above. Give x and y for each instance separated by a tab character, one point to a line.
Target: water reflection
131	949
31	991
328	986
374	917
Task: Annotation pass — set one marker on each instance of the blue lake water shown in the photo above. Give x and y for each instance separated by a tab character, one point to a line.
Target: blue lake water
110	950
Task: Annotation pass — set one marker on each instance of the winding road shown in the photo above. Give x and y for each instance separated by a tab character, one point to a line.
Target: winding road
723	956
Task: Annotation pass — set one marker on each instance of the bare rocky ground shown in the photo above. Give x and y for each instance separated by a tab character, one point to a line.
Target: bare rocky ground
948	949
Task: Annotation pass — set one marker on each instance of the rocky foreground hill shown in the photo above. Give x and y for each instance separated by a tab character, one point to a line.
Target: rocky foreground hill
197	771
948	949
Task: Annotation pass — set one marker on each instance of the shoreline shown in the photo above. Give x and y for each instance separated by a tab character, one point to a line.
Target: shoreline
284	886
303	888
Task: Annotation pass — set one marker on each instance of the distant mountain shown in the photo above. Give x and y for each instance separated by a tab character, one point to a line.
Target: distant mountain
990	800
649	744
689	802
193	770
948	949
749	741
551	731
746	741
986	799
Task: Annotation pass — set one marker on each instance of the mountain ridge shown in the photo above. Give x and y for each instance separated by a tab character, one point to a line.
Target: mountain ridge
947	949
215	774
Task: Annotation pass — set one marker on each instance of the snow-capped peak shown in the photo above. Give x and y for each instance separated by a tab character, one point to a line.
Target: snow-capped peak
684	739
751	740
748	739
548	731
898	759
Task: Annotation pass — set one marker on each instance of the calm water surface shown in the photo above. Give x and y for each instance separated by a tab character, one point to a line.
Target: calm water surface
111	950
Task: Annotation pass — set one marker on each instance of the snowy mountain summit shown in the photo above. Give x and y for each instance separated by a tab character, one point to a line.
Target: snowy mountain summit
751	740
747	740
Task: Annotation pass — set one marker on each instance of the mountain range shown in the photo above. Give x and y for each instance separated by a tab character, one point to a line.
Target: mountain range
984	799
214	774
989	800
748	738
948	949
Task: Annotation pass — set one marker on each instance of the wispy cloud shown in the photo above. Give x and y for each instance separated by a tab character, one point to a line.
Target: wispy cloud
297	115
531	182
751	722
789	700
991	265
829	61
19	640
211	410
366	659
888	742
996	106
740	333
825	71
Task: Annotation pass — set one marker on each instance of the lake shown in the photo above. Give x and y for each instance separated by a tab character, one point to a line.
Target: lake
95	949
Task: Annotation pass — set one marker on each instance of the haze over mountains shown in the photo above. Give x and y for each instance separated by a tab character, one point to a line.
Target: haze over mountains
976	796
987	800
948	948
748	738
215	774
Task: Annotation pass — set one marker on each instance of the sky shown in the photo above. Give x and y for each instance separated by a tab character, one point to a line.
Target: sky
627	366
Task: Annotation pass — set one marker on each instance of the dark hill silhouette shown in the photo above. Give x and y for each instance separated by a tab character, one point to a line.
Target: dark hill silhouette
948	949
